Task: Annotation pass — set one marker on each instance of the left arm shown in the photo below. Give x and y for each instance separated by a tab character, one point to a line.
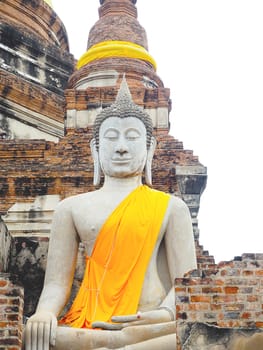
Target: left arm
179	245
179	240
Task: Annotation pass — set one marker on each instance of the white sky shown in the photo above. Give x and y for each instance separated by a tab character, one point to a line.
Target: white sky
210	54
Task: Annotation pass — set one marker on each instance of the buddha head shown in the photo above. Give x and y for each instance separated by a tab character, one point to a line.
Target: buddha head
123	145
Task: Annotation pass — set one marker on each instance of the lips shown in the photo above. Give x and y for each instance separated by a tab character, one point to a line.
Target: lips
120	160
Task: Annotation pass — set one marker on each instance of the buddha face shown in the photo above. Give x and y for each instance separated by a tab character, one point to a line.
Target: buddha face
122	146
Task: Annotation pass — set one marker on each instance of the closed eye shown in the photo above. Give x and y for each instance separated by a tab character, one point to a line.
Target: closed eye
111	134
132	134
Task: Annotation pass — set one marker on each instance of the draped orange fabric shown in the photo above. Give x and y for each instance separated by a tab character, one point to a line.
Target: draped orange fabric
115	270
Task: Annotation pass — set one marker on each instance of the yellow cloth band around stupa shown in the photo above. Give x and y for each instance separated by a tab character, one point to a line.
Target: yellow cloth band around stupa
115	48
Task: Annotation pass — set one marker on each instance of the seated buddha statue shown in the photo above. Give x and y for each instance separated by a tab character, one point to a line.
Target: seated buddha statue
130	232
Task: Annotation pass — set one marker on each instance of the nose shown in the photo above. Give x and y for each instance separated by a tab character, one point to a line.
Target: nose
121	147
121	150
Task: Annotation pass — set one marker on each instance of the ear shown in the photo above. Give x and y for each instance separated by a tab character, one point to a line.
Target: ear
148	164
96	162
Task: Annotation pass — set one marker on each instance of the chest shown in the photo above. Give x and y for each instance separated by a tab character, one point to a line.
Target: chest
90	216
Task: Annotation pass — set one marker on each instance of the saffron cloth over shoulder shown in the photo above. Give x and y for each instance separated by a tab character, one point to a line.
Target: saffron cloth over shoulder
115	270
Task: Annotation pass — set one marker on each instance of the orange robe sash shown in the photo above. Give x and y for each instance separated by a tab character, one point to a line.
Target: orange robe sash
115	270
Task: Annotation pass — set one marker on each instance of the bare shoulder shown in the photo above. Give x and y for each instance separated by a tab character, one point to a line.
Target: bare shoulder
177	206
178	216
71	202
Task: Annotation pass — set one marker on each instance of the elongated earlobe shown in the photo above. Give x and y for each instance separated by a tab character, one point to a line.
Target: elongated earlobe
148	164
96	162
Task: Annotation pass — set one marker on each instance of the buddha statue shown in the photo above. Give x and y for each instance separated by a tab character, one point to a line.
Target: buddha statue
131	232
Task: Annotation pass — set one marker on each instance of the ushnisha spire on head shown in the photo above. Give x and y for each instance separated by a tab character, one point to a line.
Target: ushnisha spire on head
123	107
124	94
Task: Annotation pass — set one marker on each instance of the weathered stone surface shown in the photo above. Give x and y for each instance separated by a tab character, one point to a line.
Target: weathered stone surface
5	247
28	264
36	16
248	342
17	91
31	219
201	336
34	68
28	56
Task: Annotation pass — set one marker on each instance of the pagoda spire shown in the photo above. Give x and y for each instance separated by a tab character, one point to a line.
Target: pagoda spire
118	7
118	21
103	1
117	42
117	33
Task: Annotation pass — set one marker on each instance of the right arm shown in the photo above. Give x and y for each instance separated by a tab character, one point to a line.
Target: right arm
61	262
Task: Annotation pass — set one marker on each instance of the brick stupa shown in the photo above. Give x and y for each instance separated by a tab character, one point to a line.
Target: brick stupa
36	171
51	160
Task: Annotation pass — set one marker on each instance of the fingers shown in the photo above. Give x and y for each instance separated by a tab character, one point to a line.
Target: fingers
53	330
34	336
130	320
28	336
120	322
116	326
127	318
46	334
40	333
37	331
109	326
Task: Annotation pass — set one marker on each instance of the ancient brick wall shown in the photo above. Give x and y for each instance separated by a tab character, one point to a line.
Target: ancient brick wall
37	167
35	66
204	259
228	295
33	97
11	314
36	17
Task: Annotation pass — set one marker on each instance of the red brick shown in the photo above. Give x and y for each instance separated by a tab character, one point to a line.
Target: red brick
253	282
248	273
199	307
180	289
216	307
209	290
219	282
234	307
231	290
246	290
224	298
199	299
3	283
194	290
246	315
252	298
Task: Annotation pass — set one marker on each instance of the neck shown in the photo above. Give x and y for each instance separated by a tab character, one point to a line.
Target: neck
126	184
